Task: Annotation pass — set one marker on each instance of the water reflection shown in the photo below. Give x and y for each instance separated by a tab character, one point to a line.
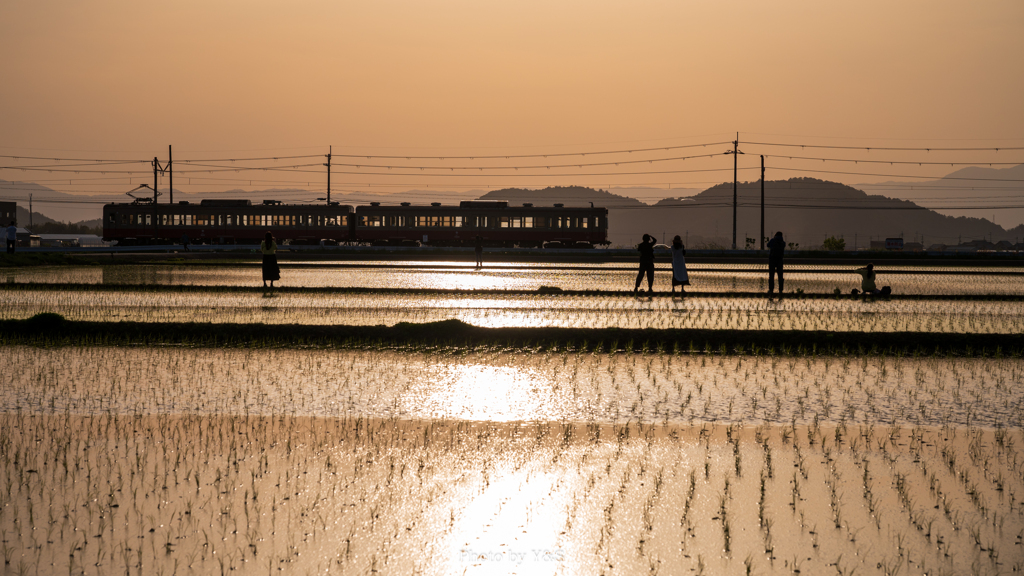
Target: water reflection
514	526
522	276
483	392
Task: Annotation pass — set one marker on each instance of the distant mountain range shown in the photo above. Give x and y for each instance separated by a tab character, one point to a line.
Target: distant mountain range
806	210
977	191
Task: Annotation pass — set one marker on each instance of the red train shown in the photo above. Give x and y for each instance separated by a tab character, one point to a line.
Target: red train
241	222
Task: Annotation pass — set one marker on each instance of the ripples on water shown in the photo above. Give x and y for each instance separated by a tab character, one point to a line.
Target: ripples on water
499	386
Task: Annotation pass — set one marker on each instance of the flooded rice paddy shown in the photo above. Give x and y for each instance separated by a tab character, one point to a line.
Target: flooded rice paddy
176	460
521	310
933	280
515	386
168	461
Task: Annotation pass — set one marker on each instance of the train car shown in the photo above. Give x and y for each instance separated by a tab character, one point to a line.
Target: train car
224	222
495	221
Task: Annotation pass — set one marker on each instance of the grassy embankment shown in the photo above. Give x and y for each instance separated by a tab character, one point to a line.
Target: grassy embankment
54	330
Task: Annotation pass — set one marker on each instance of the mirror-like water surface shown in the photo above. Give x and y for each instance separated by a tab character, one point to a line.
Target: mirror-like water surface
515	276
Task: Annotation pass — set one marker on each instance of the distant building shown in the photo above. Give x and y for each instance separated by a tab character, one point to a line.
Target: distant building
978	245
888	244
8	213
71	241
26	239
913	247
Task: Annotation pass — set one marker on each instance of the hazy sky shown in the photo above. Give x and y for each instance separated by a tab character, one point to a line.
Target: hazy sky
481	76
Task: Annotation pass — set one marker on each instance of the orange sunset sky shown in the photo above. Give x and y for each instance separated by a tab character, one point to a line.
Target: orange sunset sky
119	79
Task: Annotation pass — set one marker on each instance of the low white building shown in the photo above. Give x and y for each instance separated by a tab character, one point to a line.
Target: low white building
71	241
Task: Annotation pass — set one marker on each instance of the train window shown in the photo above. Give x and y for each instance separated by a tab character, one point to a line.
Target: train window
503	222
371	221
527	221
585	222
540	222
112	218
230	220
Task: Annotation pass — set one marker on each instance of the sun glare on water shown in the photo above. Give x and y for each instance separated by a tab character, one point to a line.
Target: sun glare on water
512	527
482	392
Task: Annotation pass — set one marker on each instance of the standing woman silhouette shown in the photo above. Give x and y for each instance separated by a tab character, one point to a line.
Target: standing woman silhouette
680	277
271	271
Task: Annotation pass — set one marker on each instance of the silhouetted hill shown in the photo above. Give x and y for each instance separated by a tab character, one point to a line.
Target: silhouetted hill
974	191
807	210
568	195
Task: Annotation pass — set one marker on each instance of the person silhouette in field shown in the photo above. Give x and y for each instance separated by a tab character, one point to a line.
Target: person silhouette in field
867	282
271	271
11	233
776	250
478	248
679	275
646	249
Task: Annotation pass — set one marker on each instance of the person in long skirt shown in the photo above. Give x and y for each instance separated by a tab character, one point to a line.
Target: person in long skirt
679	275
271	271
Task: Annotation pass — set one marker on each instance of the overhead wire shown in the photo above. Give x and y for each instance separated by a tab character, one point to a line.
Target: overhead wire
888	148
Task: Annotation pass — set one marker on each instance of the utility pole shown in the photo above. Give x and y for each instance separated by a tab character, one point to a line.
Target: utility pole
156	168
762	201
171	174
330	149
29	211
735	202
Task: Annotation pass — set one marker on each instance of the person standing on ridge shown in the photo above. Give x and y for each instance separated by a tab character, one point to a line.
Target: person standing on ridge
679	275
646	249
776	250
271	271
12	237
479	249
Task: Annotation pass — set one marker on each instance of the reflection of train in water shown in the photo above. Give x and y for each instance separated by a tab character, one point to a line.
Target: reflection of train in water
241	222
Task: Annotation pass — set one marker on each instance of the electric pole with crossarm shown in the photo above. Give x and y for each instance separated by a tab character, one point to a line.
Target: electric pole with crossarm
735	202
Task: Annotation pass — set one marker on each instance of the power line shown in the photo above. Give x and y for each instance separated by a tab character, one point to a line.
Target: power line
895	175
891	148
549	155
527	167
859	161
